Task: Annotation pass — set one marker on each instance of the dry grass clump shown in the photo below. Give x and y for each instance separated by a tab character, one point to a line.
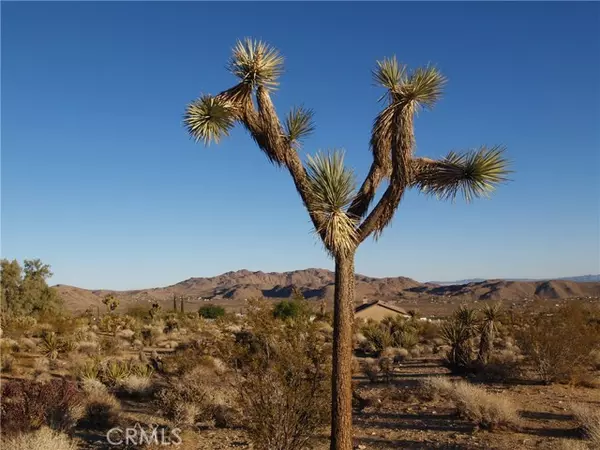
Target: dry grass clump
136	385
42	439
92	385
196	398
370	367
87	347
27	345
434	388
102	410
487	410
589	422
571	444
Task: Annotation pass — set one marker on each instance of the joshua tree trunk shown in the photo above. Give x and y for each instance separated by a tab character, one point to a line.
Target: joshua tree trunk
341	382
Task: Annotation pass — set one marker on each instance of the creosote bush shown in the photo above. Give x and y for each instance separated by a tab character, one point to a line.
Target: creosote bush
284	389
28	405
557	342
211	311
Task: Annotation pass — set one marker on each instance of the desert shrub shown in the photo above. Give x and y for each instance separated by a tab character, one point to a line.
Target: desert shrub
434	388
7	362
487	410
371	369
20	325
586	379
290	309
199	396
136	385
211	311
557	343
42	439
92	385
502	365
428	331
126	334
27	345
87	347
416	351
589	422
9	346
377	337
102	410
41	365
152	334
284	389
386	366
27	405
171	324
113	323
398	355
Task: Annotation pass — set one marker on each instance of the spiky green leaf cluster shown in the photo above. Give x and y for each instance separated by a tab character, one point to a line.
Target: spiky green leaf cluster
298	124
208	119
422	87
256	63
389	74
331	190
474	174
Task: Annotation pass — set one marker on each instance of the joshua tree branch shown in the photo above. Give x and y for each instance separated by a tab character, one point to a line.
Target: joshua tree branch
265	128
402	148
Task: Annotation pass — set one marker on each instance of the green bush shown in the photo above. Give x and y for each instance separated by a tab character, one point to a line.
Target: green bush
211	311
289	309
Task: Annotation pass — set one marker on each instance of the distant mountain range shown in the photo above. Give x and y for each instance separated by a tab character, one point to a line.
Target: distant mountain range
578	279
318	284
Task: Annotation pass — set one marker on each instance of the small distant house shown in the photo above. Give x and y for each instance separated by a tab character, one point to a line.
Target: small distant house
378	310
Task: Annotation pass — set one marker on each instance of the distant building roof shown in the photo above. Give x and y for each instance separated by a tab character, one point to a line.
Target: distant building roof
393	308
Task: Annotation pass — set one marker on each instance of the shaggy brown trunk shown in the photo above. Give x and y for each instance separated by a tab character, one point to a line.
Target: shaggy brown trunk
341	383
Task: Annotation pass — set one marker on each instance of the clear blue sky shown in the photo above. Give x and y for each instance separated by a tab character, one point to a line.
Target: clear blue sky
100	180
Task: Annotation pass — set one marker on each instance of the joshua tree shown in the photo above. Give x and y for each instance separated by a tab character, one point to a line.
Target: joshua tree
341	215
111	302
488	331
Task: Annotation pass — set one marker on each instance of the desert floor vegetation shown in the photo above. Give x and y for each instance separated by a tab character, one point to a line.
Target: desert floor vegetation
484	377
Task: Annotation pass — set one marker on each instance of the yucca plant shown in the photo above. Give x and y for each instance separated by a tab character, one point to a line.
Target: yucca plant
488	330
142	370
51	345
458	333
90	370
115	371
341	215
